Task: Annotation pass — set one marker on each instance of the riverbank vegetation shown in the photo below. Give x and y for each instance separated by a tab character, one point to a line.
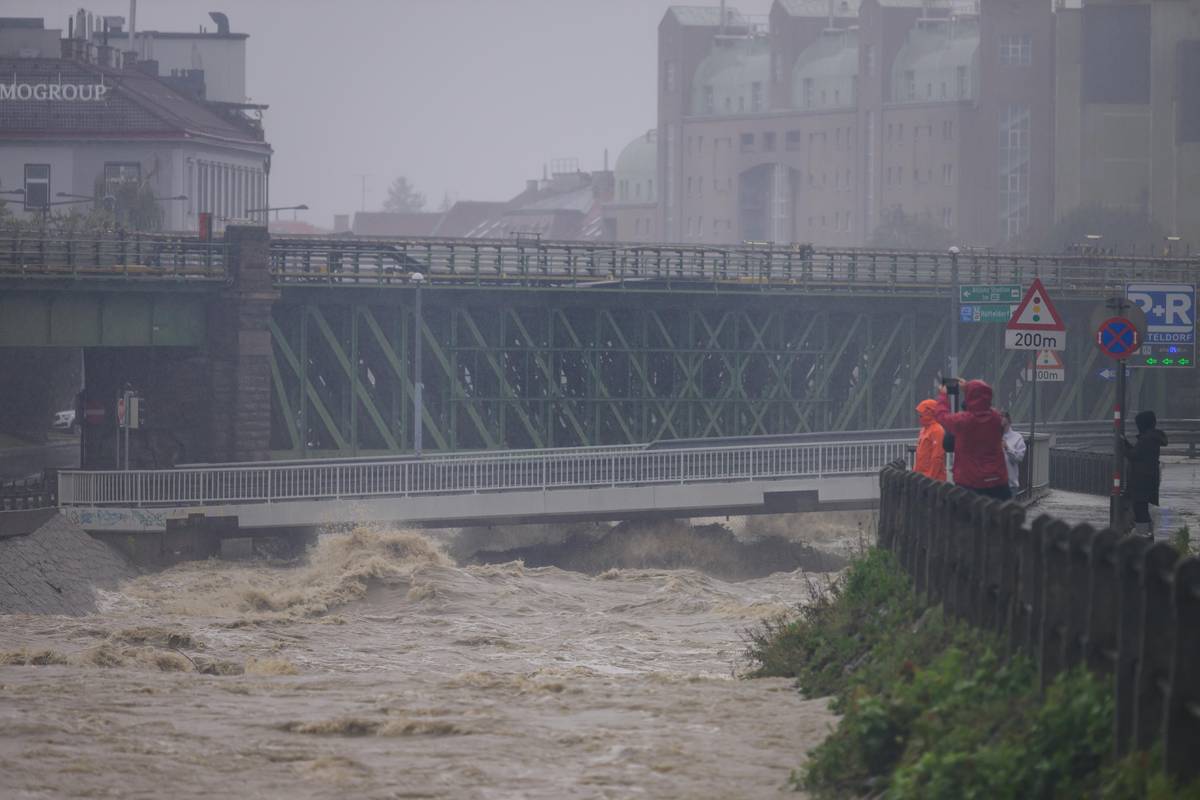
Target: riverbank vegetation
933	709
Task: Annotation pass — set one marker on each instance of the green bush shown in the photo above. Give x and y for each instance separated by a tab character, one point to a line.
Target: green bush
931	711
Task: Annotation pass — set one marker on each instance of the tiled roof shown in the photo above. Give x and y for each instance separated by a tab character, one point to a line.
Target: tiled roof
136	104
820	8
706	15
386	223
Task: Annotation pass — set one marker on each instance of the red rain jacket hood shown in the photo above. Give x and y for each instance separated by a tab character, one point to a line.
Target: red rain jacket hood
979	434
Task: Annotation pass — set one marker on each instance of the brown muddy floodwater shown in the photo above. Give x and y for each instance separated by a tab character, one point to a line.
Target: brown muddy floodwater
380	669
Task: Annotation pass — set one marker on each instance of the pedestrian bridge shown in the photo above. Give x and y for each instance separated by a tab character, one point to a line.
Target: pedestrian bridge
530	486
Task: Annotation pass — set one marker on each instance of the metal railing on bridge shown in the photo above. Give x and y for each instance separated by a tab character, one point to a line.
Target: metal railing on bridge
133	257
350	262
480	473
342	261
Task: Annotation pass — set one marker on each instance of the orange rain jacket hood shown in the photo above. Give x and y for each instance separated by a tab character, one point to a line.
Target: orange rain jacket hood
931	458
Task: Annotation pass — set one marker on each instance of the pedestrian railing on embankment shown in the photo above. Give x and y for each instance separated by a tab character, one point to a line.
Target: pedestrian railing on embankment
1081	471
488	472
41	492
1126	608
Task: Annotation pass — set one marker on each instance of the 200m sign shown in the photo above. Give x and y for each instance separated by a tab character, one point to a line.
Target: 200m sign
1035	340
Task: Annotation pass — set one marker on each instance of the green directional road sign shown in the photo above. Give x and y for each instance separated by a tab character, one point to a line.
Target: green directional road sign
989	293
985	313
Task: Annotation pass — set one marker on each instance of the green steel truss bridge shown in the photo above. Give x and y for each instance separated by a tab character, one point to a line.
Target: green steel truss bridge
535	344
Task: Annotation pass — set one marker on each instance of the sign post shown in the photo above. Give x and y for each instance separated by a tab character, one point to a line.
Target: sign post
1118	338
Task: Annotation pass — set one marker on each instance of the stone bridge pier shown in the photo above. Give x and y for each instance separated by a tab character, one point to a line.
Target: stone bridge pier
206	403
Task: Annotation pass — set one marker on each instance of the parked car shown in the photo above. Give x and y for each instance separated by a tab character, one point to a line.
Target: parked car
65	421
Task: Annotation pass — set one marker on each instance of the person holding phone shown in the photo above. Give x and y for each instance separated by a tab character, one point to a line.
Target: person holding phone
979	461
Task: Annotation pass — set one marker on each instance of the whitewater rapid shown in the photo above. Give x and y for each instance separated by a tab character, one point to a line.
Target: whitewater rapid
381	668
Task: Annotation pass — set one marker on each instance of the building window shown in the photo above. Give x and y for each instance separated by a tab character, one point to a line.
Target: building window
650	189
689	186
669	76
756	96
792	140
741	103
869	60
910	84
37	187
709	108
808	92
899	131
769	142
728	104
1014	170
1016	50
946	218
948	174
963	89
943	97
747	142
637	189
947	130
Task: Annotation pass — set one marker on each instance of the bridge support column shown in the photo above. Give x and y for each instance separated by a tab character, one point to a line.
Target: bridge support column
239	345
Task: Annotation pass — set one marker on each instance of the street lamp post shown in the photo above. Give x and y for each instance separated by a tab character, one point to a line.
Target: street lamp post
418	389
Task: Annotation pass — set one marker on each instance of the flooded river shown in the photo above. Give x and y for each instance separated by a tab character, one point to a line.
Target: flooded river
381	667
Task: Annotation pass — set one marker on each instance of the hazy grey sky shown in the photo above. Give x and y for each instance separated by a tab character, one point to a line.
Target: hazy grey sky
469	97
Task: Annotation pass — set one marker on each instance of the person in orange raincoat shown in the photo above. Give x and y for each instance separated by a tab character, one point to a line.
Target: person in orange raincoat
931	457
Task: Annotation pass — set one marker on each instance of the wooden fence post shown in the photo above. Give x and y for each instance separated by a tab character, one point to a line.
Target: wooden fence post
1077	578
980	510
1101	654
942	513
1054	600
926	494
1131	552
1007	597
887	511
1027	632
958	552
1154	655
1182	744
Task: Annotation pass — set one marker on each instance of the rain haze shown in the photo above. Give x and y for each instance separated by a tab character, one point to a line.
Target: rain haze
492	398
467	98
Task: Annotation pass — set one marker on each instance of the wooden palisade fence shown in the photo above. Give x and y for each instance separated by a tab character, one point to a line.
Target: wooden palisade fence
1126	608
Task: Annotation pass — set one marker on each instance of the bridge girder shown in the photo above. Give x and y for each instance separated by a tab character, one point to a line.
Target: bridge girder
528	369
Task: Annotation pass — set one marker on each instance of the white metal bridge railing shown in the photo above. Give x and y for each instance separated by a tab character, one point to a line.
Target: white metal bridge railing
484	473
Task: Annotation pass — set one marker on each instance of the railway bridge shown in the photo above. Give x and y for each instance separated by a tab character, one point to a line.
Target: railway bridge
254	348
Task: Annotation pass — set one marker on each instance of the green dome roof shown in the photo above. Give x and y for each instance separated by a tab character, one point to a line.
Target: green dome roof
636	169
825	71
733	78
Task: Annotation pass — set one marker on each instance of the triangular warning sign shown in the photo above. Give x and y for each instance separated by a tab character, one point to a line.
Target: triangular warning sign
1036	312
1049	359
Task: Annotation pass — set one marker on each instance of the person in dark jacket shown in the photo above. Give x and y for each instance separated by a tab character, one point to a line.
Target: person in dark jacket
978	441
1143	473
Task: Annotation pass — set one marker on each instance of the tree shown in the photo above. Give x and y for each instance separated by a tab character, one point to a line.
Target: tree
899	231
402	197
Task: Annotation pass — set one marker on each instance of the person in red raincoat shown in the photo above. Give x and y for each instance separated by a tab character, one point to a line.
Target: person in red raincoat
978	440
931	456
